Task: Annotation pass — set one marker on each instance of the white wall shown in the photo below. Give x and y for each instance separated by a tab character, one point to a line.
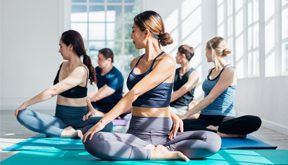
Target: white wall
1	57
29	49
265	97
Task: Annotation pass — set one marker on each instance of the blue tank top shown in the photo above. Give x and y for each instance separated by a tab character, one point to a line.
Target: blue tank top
223	104
157	97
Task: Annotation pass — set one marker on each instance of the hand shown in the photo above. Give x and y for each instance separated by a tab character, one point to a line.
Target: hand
177	124
22	107
91	132
90	113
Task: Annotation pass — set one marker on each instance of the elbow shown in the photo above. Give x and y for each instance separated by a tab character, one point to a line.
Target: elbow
134	93
51	92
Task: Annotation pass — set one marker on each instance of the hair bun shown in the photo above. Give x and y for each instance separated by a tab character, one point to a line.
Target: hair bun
165	38
226	52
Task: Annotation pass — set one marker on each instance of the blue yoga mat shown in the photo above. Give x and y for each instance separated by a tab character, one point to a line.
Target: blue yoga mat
39	143
249	142
223	157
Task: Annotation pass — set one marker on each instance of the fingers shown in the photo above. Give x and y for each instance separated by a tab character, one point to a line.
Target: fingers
86	136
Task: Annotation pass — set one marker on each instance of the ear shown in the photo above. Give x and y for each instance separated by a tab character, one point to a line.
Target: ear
147	33
70	47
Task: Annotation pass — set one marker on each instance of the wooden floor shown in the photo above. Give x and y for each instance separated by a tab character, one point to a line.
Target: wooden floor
12	132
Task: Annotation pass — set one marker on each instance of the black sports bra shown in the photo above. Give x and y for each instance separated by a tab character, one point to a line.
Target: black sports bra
75	92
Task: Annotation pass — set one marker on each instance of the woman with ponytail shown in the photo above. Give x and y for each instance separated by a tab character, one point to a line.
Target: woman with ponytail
70	87
217	108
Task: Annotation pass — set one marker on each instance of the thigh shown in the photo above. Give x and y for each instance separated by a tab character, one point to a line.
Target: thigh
40	119
121	137
194	124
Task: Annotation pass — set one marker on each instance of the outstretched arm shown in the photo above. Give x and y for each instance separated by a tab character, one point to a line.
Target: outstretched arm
73	79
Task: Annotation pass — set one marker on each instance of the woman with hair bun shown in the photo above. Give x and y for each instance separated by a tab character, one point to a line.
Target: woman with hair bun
150	134
217	107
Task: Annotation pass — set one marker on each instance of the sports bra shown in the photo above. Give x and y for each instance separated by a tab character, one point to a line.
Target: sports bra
75	92
157	97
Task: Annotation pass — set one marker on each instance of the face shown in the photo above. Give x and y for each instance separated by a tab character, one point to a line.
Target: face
102	61
179	58
138	37
64	50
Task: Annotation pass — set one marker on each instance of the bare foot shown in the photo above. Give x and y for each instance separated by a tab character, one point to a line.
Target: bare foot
231	135
212	127
79	134
69	132
161	152
149	147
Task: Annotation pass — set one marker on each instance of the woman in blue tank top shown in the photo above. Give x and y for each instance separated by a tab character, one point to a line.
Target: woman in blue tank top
217	108
70	87
150	134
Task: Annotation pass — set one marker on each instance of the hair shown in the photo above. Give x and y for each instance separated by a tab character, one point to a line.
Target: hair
107	53
219	46
153	22
74	38
187	50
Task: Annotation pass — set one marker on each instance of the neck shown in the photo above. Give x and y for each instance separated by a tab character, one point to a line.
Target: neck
185	67
74	62
106	69
152	50
219	64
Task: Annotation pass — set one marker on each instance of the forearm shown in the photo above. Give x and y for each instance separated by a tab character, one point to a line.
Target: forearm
45	95
124	105
199	107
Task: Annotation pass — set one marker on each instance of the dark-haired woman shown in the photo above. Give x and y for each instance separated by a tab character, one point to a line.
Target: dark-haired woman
150	134
70	87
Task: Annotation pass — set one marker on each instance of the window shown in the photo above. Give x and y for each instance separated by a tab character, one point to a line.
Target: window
106	23
284	44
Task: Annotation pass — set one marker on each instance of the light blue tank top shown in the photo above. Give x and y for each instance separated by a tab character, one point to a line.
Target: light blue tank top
223	104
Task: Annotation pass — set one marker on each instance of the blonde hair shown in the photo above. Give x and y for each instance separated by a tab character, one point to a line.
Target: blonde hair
219	45
153	22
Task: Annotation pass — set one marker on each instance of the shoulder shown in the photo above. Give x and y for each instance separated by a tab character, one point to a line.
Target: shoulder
80	70
228	72
166	59
116	72
134	61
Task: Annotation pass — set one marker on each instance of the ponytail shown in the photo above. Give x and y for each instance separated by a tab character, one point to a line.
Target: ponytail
88	63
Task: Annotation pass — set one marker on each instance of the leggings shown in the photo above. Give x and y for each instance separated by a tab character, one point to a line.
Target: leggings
230	125
53	125
148	130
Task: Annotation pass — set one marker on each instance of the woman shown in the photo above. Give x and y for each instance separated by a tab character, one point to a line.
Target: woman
185	82
217	109
150	83
70	86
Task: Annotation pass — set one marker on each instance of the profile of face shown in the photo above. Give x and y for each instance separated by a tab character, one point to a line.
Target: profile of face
138	37
180	58
102	61
64	50
209	55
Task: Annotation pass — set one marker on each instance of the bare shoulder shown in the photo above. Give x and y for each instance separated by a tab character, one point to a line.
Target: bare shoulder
166	59
134	61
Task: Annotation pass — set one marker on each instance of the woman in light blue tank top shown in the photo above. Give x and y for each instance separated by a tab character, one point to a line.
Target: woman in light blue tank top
217	108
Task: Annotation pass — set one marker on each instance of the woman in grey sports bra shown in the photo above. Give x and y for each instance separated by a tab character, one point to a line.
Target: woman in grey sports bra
150	134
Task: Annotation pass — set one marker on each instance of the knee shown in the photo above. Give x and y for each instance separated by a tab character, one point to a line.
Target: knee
22	115
255	121
98	147
213	141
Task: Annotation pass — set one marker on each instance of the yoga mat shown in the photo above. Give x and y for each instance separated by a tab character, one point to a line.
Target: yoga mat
38	143
249	142
223	157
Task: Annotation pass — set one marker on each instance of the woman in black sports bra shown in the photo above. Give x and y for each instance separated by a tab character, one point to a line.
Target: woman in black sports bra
70	86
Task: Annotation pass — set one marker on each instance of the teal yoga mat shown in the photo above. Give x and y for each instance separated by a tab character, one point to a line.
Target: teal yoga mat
223	157
49	144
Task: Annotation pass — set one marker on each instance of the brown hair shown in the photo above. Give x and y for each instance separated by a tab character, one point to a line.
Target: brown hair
75	39
107	53
187	50
153	22
219	46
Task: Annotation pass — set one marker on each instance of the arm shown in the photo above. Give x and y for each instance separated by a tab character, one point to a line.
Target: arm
164	69
226	79
103	92
190	84
177	124
73	79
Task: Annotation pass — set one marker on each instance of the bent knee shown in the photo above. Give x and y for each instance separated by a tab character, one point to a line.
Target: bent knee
98	148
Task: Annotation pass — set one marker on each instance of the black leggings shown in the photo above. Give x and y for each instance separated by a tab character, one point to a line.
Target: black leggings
230	125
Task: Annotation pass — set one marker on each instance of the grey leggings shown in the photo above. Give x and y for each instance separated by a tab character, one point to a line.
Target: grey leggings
144	131
54	125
